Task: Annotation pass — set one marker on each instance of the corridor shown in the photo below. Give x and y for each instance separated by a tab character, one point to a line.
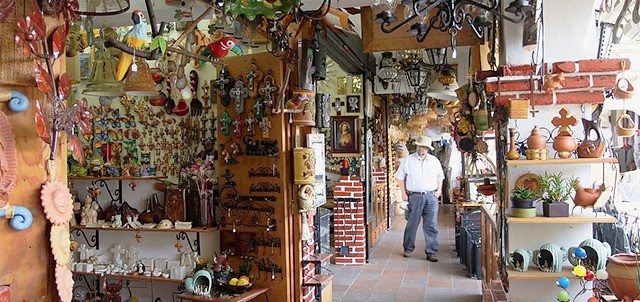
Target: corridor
390	277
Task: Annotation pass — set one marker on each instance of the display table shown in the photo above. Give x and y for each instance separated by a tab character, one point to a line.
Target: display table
248	296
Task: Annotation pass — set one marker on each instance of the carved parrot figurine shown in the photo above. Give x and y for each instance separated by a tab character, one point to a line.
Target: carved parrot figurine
135	38
219	49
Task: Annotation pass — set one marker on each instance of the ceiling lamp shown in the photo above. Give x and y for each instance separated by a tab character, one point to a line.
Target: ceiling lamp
387	72
445	87
446	15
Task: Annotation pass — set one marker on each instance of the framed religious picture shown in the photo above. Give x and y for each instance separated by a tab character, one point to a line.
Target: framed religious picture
345	134
353	104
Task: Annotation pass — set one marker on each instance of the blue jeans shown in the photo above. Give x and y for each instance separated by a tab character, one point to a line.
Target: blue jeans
425	207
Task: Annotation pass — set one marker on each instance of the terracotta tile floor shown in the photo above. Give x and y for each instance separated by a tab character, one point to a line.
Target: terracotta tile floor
390	277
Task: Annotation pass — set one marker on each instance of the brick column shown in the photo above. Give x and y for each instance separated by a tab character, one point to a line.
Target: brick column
379	176
309	268
348	220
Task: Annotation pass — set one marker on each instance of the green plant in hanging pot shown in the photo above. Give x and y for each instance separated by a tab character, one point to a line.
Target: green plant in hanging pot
522	199
557	189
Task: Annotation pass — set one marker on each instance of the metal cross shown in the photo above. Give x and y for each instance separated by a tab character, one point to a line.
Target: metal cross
265	125
237	126
253	76
249	123
267	90
338	103
259	107
239	93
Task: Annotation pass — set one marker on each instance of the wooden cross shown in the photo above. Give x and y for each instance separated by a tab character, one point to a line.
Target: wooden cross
259	108
238	93
222	82
249	123
338	105
564	120
267	90
225	120
265	125
237	126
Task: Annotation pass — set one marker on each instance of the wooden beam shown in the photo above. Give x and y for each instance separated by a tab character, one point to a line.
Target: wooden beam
375	40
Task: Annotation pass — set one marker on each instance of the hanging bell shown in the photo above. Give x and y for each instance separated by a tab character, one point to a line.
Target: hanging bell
139	81
102	81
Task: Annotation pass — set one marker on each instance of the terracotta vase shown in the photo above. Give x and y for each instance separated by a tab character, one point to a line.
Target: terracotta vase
513	153
536	140
623	276
591	148
564	143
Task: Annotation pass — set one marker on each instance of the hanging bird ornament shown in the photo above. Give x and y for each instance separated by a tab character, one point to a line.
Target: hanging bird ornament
220	49
135	38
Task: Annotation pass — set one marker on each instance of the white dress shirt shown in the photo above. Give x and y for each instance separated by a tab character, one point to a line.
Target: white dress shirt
420	175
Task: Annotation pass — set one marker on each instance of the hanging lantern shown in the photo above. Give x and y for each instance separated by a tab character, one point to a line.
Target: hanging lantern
102	81
139	81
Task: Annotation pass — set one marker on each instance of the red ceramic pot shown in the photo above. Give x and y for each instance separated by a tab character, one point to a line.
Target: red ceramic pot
623	272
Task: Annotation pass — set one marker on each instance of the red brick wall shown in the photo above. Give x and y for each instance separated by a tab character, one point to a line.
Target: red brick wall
348	220
585	82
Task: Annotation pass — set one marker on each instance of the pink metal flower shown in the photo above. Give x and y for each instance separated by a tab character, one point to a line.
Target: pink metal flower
32	30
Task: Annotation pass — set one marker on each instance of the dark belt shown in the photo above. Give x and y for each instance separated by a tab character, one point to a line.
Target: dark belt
421	193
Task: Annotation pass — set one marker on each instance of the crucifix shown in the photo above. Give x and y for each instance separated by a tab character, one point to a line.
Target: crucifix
249	123
267	89
117	251
265	125
237	126
253	76
225	120
338	103
238	93
259	107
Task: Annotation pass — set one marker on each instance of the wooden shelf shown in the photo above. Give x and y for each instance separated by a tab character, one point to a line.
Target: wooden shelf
534	273
318	280
612	298
577	218
568	161
117	178
319	258
172	230
248	296
129	277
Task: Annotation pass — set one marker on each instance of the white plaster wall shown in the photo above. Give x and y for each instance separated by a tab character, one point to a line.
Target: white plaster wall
570	33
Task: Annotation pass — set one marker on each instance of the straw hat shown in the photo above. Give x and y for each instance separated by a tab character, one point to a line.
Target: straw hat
424	141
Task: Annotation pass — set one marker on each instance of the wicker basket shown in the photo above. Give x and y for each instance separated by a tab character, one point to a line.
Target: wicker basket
625	131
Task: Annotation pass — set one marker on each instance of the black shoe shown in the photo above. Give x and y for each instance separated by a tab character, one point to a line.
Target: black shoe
432	258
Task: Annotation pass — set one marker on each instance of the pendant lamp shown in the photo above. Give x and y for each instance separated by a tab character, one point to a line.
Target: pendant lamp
102	7
102	81
139	81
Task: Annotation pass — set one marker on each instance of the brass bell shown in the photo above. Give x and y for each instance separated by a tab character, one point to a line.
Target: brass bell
139	81
102	81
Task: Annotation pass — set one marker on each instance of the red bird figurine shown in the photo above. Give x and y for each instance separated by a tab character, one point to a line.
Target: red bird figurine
220	49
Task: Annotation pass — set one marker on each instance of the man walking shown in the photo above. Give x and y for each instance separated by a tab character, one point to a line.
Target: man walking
420	179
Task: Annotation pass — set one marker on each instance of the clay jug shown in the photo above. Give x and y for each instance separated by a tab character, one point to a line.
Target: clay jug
536	140
564	143
147	215
623	276
513	153
591	148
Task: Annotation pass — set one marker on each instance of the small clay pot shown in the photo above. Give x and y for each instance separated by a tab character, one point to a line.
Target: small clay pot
536	140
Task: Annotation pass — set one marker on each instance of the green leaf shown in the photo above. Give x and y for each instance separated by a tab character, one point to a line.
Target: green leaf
159	42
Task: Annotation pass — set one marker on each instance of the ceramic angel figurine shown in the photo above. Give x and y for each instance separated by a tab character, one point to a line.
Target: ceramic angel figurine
93	213
84	215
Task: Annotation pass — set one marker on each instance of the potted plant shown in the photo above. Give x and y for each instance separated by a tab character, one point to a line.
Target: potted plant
556	190
522	199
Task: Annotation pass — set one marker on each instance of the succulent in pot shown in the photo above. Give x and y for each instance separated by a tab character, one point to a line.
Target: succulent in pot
522	197
556	190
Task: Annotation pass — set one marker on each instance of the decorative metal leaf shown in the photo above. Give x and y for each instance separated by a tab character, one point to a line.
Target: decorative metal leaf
42	126
43	78
64	86
75	147
37	20
58	39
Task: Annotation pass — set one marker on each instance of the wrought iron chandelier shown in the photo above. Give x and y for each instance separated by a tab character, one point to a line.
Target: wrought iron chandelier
446	15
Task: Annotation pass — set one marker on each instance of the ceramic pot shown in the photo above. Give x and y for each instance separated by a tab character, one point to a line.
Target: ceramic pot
597	254
555	209
564	143
623	276
536	140
522	203
549	257
591	148
513	153
520	259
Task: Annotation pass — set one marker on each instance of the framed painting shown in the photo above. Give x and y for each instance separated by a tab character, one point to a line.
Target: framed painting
345	134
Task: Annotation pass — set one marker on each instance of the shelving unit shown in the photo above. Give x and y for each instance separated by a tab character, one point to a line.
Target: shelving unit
536	274
116	195
583	218
319	280
182	234
129	277
568	161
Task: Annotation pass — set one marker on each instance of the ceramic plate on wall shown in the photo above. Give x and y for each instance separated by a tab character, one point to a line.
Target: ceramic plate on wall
531	181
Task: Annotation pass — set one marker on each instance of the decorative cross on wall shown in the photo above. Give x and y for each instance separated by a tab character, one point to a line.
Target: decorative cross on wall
239	93
249	123
564	120
253	76
237	126
259	107
268	89
225	120
265	125
338	103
